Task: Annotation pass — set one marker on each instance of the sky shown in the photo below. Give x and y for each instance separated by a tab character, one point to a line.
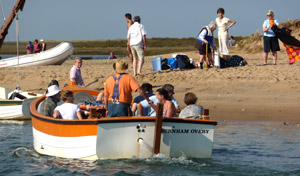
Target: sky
104	19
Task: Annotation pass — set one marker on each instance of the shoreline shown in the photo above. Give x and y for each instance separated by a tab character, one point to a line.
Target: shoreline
250	93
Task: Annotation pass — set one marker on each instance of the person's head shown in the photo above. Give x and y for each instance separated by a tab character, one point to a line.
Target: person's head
270	14
53	82
212	26
231	37
169	88
190	98
162	95
42	40
220	12
53	91
137	19
29	42
128	17
67	95
36	41
78	62
147	88
120	66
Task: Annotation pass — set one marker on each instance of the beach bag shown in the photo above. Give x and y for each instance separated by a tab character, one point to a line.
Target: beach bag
165	65
184	62
236	61
223	63
172	62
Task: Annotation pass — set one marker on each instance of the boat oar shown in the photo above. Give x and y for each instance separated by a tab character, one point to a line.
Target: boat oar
158	129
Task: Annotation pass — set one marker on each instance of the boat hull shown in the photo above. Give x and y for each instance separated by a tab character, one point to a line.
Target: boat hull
53	56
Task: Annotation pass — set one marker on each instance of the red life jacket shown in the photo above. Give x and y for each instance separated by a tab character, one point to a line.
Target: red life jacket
37	47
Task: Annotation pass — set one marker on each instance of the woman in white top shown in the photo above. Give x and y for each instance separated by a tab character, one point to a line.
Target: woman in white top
68	110
222	23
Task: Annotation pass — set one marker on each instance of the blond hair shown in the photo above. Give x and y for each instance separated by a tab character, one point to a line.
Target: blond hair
270	12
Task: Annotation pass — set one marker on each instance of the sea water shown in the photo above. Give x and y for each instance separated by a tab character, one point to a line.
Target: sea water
240	148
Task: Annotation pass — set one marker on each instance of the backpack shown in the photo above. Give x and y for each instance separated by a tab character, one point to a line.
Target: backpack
173	63
165	65
184	62
236	61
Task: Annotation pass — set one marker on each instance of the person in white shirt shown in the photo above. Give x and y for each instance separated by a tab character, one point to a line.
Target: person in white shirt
68	110
222	23
136	39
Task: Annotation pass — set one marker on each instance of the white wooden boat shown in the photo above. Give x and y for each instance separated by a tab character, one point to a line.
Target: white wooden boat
53	56
123	137
16	108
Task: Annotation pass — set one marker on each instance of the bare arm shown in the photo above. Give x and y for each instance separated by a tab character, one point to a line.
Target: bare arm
232	24
100	96
144	40
140	91
140	109
79	115
133	108
56	114
265	29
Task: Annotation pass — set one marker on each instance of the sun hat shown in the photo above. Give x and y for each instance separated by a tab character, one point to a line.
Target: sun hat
41	40
120	66
53	90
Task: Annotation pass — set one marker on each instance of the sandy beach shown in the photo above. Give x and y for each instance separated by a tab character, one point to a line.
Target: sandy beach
249	93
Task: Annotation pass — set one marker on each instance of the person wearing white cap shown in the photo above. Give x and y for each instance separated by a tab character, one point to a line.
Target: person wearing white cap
43	45
53	97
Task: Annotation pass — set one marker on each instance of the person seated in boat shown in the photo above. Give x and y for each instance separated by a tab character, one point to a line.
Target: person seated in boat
43	45
191	110
29	48
112	56
145	109
163	97
170	89
49	104
147	89
37	48
75	72
118	89
68	110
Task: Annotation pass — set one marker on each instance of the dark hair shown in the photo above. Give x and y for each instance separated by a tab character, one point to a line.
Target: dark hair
164	93
29	42
36	40
146	87
221	10
232	37
190	98
128	16
137	19
65	94
169	88
53	82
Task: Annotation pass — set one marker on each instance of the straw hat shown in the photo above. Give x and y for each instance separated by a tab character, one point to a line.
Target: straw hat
53	90
120	66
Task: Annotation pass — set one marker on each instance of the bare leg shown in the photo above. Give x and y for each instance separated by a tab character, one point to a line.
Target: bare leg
130	54
134	66
141	63
265	58
201	61
209	59
275	58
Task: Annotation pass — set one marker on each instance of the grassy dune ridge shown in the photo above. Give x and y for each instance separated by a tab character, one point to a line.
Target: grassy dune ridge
155	46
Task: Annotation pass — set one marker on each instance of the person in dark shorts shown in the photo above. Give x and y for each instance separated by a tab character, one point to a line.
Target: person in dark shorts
204	40
270	39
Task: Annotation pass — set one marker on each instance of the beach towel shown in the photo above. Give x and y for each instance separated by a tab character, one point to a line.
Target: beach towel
291	44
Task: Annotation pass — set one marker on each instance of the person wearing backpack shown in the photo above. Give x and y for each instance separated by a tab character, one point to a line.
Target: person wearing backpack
204	41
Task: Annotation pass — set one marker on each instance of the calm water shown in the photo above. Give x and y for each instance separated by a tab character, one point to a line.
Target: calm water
94	56
240	148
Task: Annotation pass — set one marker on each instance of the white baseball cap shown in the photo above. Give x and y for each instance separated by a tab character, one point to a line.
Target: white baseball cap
53	90
41	40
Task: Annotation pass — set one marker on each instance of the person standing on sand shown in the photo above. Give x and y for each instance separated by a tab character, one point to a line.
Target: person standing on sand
223	31
270	38
128	19
75	72
29	48
43	45
136	38
204	40
117	91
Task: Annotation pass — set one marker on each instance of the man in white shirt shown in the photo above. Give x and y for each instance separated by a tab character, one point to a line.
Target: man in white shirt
136	38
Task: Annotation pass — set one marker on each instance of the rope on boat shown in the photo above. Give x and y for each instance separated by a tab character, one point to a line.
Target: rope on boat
17	31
